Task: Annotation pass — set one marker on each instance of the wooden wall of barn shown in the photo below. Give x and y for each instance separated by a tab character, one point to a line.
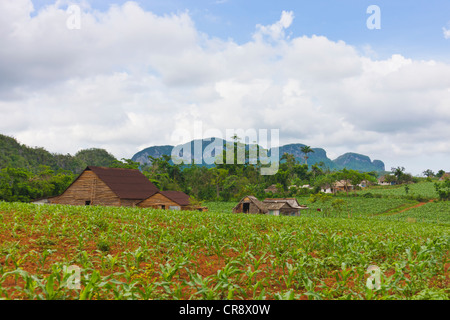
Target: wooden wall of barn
88	187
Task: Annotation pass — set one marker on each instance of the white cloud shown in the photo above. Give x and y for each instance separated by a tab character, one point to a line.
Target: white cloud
128	78
276	30
446	33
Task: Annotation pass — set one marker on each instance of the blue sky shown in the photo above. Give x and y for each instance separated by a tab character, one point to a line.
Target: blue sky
410	28
312	69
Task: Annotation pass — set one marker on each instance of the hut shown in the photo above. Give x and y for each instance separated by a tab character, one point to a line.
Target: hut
169	200
284	206
107	187
250	204
343	185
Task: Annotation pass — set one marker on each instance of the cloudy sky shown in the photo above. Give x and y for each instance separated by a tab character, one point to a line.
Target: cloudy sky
124	75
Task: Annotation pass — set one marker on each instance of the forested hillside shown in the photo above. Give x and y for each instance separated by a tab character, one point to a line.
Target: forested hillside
14	154
28	173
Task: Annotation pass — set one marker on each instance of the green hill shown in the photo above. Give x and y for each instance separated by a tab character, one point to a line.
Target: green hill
17	155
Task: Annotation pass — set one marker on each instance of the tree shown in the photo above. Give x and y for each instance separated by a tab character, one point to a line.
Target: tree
440	173
398	172
443	190
428	173
125	164
218	178
305	150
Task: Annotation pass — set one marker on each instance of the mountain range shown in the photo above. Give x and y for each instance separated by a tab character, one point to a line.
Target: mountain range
17	155
348	160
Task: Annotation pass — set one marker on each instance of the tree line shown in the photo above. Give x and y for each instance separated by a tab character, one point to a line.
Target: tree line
221	182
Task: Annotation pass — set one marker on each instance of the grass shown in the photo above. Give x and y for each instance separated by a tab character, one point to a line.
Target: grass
425	190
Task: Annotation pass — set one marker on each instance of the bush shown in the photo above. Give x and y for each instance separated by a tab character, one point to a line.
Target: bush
443	190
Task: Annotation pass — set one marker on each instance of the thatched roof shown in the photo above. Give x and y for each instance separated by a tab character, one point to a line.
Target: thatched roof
292	202
253	199
272	203
343	183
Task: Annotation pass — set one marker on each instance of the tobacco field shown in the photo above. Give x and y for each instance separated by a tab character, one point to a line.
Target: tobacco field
98	253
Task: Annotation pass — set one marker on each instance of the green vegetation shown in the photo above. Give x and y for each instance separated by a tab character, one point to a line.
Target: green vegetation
131	253
15	155
433	212
22	185
443	189
421	190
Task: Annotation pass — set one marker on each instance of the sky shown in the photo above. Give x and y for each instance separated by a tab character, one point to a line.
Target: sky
121	75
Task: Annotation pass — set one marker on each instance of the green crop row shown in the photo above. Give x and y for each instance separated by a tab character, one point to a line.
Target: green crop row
133	253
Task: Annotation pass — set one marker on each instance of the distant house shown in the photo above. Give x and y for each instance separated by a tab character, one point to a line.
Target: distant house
107	187
169	200
365	183
445	176
327	188
383	181
284	206
343	185
272	188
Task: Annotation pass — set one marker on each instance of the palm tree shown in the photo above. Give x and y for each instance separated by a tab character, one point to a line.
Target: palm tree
306	150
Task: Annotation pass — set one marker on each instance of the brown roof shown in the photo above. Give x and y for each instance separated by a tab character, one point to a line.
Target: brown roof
125	183
177	196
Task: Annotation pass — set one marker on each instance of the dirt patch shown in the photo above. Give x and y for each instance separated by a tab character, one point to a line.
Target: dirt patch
415	206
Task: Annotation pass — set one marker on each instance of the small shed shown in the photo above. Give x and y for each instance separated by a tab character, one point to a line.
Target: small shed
278	206
250	204
169	200
283	206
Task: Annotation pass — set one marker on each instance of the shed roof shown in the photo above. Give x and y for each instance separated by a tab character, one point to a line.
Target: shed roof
125	183
343	183
292	202
276	205
253	199
177	196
